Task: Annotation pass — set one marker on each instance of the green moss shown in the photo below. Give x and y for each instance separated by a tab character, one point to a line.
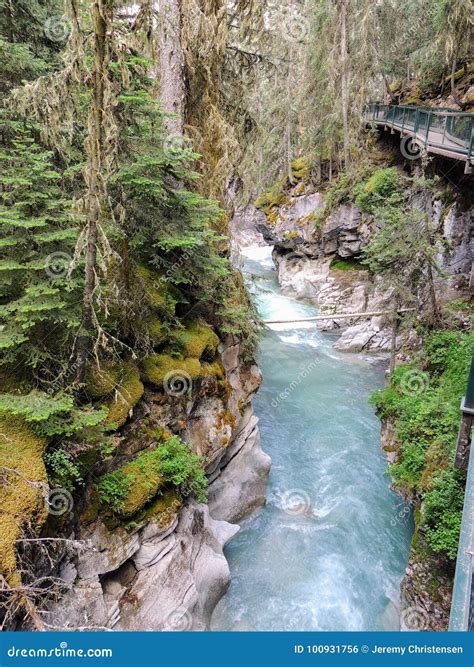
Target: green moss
156	330
215	370
91	512
154	287
156	367
300	169
163	508
197	340
339	264
129	488
159	294
423	401
127	394
275	197
101	382
21	498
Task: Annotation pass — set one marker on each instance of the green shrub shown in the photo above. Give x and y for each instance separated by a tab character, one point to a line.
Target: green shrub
128	489
63	471
442	512
382	188
427	423
182	468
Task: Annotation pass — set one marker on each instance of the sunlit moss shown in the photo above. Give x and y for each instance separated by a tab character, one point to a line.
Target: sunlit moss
22	494
127	394
158	366
196	340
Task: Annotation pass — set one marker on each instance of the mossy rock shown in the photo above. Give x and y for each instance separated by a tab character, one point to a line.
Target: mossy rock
272	216
197	340
275	197
101	381
300	169
128	392
159	294
156	330
163	508
213	370
157	367
21	498
128	489
339	264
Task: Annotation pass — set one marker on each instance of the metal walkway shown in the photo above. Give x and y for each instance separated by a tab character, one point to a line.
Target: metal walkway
439	131
462	605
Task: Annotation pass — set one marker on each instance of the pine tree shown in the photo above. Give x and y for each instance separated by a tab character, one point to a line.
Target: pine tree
37	237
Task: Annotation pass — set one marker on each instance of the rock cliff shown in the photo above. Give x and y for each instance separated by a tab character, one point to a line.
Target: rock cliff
165	569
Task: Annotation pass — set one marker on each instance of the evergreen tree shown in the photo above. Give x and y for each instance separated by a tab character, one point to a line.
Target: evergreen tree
37	237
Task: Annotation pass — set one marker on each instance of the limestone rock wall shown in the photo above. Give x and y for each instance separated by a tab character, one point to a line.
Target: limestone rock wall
168	572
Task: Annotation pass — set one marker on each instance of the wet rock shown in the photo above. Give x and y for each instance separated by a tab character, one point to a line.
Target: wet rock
241	484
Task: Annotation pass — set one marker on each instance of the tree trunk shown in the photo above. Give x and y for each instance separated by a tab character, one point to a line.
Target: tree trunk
172	83
395	327
454	92
94	175
345	83
289	88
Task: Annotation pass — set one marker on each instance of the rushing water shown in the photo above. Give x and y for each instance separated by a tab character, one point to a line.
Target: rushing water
329	549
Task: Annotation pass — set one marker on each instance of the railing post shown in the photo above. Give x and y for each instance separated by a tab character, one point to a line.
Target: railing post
445	124
467	422
417	122
430	116
471	141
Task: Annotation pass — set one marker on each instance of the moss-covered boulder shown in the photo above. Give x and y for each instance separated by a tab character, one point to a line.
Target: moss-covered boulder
22	492
158	293
197	340
159	367
128	489
156	330
128	392
213	370
101	381
163	509
300	169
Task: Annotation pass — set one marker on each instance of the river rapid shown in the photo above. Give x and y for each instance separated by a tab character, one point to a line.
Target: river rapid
329	549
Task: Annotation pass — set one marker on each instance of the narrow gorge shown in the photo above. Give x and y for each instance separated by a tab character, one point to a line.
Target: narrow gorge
236	280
